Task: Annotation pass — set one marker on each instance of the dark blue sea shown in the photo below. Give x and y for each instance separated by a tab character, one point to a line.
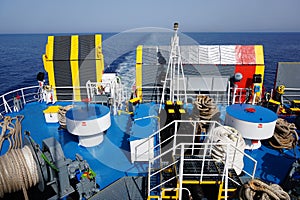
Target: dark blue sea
21	55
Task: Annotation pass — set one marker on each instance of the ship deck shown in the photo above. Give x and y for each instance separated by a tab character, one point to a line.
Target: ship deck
111	159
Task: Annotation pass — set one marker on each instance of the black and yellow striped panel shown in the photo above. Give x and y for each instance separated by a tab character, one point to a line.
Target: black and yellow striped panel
75	67
71	61
62	67
48	64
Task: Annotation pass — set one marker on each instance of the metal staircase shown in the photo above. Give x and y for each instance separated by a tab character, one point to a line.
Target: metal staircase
191	164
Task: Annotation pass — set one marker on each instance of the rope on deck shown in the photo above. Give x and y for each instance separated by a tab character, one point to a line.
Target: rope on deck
12	132
18	169
62	116
285	135
206	106
231	136
257	189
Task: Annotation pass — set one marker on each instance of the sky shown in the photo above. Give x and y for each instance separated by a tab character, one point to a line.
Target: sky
83	16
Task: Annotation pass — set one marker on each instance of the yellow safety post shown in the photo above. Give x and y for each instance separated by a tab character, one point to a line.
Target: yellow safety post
48	64
99	57
138	71
75	67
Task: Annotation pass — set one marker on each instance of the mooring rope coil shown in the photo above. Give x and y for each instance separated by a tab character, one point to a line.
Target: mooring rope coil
285	135
11	131
206	106
62	115
257	189
226	134
18	171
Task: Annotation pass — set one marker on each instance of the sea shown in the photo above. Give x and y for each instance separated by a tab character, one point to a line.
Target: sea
21	54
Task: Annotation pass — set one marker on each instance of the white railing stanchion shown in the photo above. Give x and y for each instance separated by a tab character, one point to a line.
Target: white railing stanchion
23	97
181	170
194	136
175	136
149	178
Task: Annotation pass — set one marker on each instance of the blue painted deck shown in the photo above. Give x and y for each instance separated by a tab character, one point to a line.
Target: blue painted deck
110	159
272	165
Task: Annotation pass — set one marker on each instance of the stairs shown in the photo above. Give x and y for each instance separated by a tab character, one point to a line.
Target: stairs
195	167
185	166
234	182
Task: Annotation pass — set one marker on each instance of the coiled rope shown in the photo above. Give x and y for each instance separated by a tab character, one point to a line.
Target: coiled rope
18	171
226	134
206	106
205	109
11	131
62	115
285	135
256	189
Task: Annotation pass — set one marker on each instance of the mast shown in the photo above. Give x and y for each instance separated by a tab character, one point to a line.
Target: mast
174	78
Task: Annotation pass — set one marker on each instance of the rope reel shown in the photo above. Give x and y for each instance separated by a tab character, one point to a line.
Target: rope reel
22	167
18	171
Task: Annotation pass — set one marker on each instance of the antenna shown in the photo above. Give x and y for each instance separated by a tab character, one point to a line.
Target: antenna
174	78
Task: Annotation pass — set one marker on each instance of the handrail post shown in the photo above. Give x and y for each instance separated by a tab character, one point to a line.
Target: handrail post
233	96
149	149
175	135
149	177
6	106
226	172
23	97
4	103
228	93
254	169
194	135
203	161
181	170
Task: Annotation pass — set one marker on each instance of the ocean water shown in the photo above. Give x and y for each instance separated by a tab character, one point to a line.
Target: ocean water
21	55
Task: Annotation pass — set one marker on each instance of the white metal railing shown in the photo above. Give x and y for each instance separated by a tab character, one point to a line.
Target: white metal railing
111	88
32	94
26	95
290	94
240	95
204	147
223	175
220	97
